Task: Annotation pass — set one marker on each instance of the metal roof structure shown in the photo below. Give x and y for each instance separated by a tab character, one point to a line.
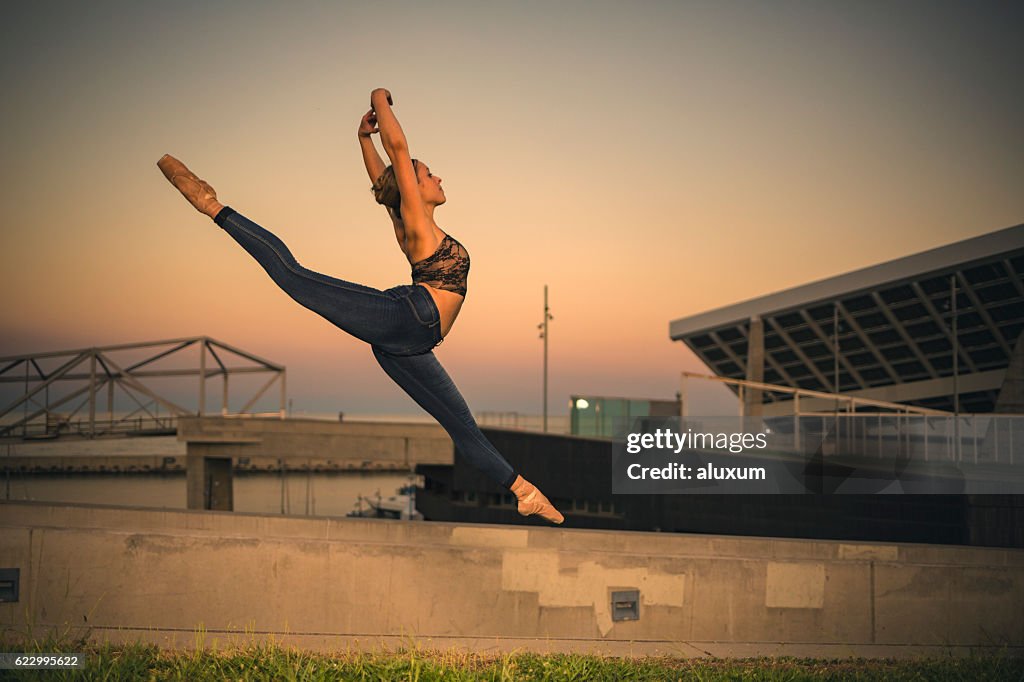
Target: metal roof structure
896	323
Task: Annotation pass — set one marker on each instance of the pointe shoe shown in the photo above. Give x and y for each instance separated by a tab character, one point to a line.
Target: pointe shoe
532	501
198	192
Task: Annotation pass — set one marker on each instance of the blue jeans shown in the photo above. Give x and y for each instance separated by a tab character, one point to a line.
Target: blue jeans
402	324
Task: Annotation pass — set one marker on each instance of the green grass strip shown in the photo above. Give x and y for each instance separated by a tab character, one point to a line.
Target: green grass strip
277	663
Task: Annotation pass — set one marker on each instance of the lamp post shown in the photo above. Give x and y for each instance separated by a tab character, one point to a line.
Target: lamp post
543	327
835	367
956	367
835	351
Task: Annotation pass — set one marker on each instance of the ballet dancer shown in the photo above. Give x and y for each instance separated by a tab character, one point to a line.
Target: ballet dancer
404	323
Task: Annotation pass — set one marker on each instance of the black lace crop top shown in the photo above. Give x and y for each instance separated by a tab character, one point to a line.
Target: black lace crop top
447	268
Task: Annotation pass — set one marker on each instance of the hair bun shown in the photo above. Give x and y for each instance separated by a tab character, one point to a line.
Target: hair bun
385	189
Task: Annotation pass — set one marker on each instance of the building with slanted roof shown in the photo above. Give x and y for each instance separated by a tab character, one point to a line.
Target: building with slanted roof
939	329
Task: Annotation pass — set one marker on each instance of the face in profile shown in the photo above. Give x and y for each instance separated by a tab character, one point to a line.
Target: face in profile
430	185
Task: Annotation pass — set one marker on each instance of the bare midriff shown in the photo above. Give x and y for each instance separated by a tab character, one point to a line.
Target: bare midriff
448	305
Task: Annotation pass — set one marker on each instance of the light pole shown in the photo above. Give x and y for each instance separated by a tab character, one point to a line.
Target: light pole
543	327
956	367
835	367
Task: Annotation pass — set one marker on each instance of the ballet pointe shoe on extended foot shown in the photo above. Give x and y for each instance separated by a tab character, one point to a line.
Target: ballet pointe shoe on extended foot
198	192
532	501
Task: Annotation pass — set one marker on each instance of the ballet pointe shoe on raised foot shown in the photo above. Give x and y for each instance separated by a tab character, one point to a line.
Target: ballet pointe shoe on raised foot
198	192
532	501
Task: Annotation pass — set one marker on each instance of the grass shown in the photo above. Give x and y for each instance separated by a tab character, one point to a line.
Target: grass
273	662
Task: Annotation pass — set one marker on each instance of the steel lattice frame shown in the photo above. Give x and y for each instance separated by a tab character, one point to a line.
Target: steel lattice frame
96	369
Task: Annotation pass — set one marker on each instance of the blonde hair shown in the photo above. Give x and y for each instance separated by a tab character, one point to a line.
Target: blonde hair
385	189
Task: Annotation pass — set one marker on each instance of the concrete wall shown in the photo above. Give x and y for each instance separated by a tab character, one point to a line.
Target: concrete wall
259	443
180	577
75	454
253	444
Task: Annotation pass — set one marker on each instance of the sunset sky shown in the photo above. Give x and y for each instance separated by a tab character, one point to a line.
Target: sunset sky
647	161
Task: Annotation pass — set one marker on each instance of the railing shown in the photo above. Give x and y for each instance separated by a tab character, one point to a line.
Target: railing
862	427
524	422
974	438
842	402
58	426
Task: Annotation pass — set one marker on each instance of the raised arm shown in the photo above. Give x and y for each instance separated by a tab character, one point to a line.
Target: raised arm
414	216
367	127
375	165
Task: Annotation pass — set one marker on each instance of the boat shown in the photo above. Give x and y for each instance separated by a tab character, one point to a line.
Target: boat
399	506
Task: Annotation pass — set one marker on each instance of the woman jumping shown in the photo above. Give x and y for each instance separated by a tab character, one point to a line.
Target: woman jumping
404	323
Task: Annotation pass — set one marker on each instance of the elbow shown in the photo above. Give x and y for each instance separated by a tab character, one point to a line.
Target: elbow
394	146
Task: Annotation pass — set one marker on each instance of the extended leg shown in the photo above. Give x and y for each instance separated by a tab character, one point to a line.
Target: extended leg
361	311
426	382
366	313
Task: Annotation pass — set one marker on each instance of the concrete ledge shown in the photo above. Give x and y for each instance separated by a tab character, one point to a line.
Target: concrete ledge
335	582
432	533
377	444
